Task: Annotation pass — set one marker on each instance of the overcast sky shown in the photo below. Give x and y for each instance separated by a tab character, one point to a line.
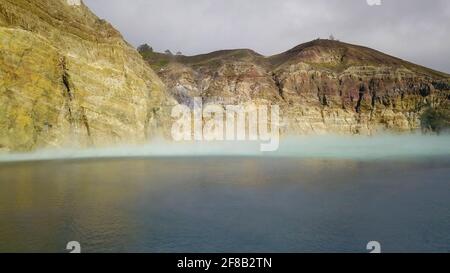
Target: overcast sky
415	30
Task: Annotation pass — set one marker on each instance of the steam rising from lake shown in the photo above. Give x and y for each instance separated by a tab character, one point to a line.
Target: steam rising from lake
326	147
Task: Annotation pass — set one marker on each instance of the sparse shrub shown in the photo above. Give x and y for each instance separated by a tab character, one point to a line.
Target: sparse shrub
144	48
435	120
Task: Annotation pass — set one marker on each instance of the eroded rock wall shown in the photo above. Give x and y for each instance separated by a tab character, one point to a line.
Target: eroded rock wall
321	87
69	78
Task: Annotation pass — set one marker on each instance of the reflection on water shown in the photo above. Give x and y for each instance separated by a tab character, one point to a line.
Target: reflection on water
225	205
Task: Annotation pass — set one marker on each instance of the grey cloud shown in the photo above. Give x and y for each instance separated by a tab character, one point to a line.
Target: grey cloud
415	30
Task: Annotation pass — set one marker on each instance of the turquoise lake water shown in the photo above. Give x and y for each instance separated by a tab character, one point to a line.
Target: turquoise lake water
232	204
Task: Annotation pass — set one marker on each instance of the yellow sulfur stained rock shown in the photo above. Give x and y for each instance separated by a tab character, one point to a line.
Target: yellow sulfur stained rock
69	78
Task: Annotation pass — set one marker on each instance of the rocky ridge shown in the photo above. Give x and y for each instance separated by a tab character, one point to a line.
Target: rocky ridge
68	78
323	86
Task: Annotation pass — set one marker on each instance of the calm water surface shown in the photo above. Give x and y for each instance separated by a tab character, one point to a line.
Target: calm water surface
225	205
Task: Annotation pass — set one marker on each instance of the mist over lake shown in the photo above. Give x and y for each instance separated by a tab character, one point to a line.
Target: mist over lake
336	196
319	146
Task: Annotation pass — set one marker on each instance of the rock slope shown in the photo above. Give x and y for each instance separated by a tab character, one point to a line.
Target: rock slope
69	78
323	86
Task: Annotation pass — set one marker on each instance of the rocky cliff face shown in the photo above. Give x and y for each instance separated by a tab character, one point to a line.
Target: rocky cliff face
322	86
69	78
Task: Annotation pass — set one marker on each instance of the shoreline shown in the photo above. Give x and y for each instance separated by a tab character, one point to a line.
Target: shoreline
302	147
